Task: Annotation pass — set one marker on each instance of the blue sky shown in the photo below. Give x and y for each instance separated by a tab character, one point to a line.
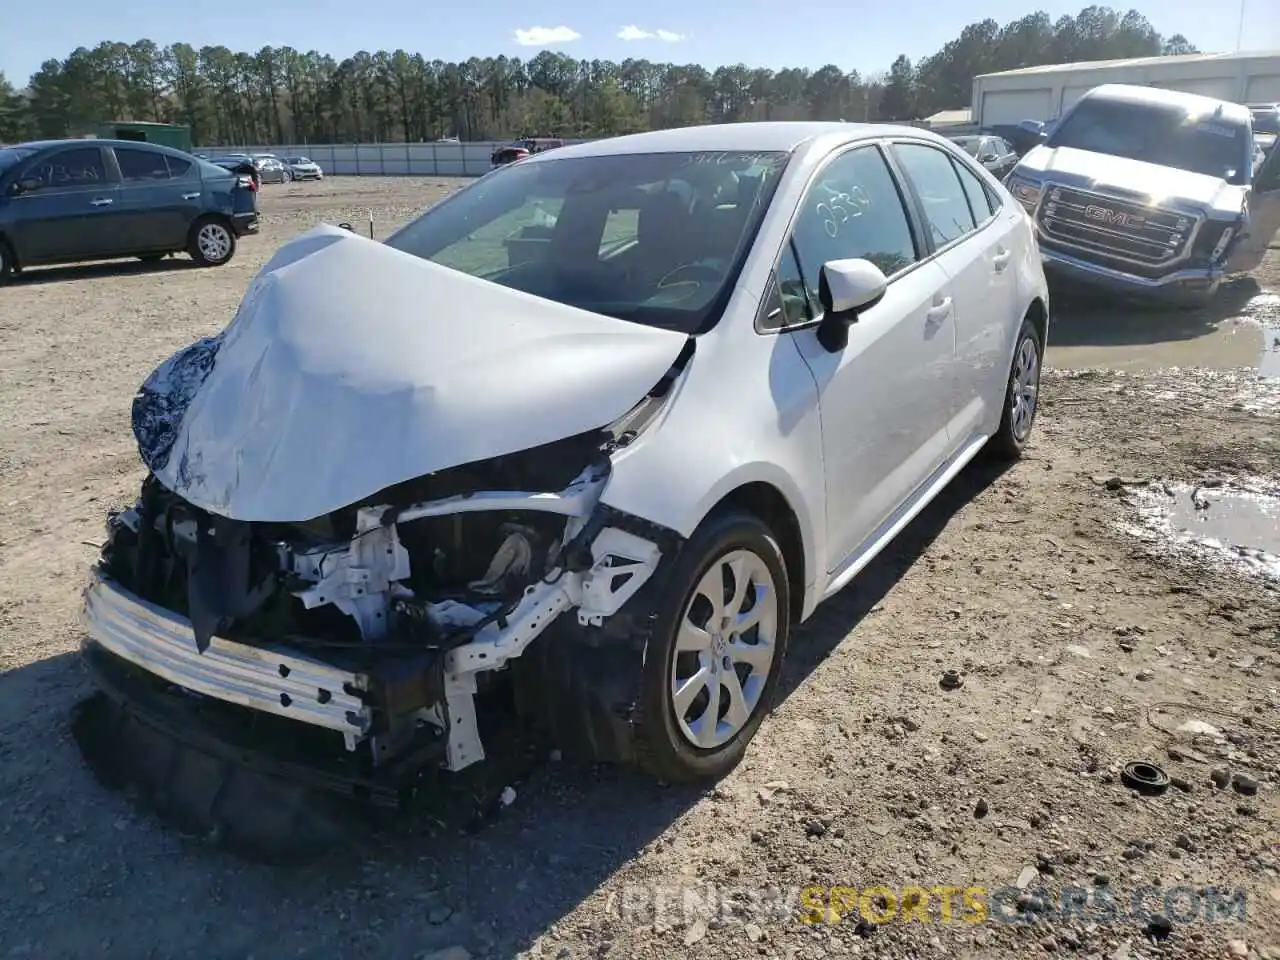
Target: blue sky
756	32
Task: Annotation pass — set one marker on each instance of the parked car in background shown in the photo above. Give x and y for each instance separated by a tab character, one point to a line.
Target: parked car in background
270	169
1266	124
64	201
992	152
868	301
1149	192
519	149
303	168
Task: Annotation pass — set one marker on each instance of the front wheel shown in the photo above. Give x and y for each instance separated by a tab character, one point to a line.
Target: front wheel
6	263
713	661
212	243
1022	395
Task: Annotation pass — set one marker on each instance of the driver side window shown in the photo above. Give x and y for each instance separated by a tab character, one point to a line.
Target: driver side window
79	167
853	210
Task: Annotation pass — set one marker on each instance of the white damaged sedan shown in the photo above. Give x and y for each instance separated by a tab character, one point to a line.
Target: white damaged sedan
605	425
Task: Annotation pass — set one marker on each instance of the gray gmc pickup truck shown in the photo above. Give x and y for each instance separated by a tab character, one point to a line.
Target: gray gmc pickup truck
1150	192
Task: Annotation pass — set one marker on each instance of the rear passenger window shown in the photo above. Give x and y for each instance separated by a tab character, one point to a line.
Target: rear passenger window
177	166
138	165
934	177
853	210
979	202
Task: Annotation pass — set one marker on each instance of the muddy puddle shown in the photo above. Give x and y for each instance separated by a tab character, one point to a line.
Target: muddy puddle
1264	312
1234	524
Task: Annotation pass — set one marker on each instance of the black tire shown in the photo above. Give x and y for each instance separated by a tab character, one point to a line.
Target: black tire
1009	441
202	246
6	263
662	748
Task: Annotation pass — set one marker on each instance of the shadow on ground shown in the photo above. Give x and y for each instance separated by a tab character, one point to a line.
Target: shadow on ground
426	882
1087	318
106	268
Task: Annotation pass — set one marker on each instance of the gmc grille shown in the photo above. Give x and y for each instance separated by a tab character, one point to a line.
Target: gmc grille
1117	229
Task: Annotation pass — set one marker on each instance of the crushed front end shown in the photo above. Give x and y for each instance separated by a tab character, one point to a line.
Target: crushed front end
350	531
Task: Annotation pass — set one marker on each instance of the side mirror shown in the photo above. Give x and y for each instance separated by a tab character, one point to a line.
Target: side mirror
844	288
987	158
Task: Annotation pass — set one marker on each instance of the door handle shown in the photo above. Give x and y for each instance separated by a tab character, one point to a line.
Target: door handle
101	202
190	196
1000	260
939	311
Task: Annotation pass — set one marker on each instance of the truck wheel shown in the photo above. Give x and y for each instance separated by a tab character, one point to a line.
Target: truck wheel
1021	397
712	664
212	242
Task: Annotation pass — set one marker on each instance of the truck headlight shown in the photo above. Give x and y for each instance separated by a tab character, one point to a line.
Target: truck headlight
1026	192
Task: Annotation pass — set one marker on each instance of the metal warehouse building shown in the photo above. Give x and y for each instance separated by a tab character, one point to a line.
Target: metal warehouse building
1043	93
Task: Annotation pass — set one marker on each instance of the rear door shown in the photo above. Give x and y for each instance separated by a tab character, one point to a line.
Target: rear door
159	199
68	217
974	247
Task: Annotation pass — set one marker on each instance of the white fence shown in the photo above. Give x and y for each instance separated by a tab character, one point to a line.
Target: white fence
386	159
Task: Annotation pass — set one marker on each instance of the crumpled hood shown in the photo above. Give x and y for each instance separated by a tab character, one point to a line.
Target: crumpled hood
1177	189
351	366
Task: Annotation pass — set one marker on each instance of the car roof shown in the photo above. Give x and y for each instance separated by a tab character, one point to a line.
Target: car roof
96	142
764	137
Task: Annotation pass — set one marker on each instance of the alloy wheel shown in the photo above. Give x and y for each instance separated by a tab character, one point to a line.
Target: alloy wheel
1024	389
725	649
214	242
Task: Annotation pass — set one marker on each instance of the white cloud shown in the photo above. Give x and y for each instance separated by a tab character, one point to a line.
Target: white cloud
545	36
632	32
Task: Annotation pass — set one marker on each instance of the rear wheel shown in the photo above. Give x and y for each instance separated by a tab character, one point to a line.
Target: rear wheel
212	242
1022	395
6	263
713	662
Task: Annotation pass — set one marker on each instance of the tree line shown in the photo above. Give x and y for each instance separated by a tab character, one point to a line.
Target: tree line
282	95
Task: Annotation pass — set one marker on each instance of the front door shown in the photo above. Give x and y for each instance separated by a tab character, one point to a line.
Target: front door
1264	216
68	217
883	398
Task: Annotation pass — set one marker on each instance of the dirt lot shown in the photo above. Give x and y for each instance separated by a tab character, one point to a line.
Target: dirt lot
1069	631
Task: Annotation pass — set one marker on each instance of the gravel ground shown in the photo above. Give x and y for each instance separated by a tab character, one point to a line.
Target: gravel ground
1082	647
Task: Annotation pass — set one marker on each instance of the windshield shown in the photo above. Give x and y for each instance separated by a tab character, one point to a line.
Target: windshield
296	160
11	155
656	239
1210	145
969	145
